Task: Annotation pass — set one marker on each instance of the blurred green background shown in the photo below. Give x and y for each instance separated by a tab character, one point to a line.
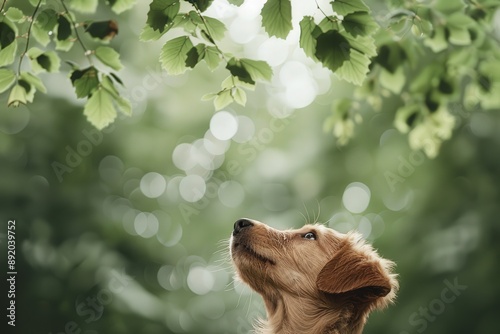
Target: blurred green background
126	230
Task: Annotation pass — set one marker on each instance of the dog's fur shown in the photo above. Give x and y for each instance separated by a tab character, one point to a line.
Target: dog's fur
323	285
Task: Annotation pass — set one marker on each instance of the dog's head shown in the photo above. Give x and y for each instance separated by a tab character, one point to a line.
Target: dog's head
312	262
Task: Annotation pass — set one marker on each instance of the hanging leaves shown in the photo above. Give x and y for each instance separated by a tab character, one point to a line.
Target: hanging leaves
174	55
345	39
277	17
8	42
109	57
60	27
7	79
162	13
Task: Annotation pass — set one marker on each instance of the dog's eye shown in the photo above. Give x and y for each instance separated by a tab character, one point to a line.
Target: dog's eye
310	236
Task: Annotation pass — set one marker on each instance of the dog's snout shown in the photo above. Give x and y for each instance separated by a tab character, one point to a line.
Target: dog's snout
241	224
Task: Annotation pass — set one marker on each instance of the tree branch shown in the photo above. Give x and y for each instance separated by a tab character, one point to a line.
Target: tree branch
28	36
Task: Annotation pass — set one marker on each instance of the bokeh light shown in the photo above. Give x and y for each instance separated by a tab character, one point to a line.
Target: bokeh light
356	197
223	125
153	185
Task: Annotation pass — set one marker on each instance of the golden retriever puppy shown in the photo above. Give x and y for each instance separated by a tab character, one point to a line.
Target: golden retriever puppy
313	280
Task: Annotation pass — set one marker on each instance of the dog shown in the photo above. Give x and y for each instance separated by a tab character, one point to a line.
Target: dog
314	279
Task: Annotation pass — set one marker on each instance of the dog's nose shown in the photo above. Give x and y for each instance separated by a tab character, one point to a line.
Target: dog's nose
240	224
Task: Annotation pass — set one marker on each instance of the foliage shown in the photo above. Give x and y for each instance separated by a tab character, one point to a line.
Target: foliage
349	39
55	22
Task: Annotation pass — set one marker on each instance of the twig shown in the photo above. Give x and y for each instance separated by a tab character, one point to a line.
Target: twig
73	24
208	31
323	12
27	38
3	5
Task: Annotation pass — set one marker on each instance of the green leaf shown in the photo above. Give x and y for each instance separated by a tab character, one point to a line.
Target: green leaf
108	85
449	7
195	55
84	6
209	96
173	55
108	56
332	49
363	44
309	31
30	90
14	14
85	81
99	109
235	82
459	36
8	42
202	5
393	81
328	23
212	57
124	105
103	30
47	19
355	69
259	70
391	56
8	54
345	7
119	6
149	34
249	71
64	45
237	70
17	96
236	2
277	17
239	96
438	42
216	28
63	28
7	78
44	24
40	35
162	13
420	82
116	78
406	116
223	99
43	61
34	81
360	23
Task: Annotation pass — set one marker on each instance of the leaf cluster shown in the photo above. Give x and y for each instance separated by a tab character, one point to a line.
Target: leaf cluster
43	36
199	43
447	50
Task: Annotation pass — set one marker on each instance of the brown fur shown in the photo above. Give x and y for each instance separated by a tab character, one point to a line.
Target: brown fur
324	286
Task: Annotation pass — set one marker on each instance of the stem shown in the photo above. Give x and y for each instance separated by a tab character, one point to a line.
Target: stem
28	37
73	24
208	31
3	5
323	12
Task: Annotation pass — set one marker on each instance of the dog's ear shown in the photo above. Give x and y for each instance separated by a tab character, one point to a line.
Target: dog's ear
350	270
